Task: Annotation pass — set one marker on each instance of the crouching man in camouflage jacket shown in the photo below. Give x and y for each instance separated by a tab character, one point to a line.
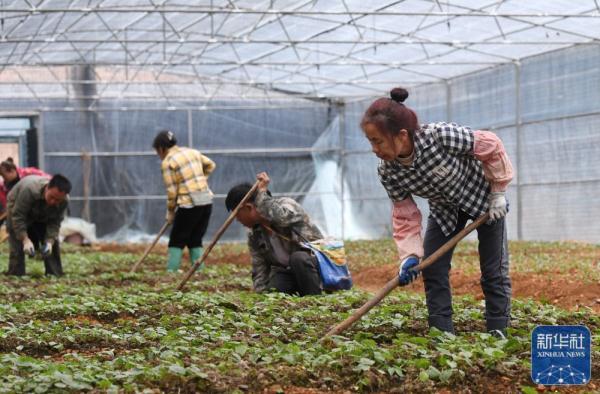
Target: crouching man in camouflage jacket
277	225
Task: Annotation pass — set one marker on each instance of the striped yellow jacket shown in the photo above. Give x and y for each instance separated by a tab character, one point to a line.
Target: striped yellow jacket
185	173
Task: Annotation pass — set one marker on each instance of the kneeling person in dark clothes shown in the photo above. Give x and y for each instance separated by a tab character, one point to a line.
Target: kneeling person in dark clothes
36	207
277	225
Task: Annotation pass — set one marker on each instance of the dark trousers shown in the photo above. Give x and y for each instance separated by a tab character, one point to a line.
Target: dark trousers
189	226
37	234
301	277
495	281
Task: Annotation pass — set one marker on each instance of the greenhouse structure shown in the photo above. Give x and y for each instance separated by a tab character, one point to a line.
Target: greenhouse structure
280	86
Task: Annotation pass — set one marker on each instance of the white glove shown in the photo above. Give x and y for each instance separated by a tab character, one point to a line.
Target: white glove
47	248
497	205
170	217
28	247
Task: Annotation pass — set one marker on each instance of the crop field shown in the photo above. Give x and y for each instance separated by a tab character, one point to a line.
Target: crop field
101	329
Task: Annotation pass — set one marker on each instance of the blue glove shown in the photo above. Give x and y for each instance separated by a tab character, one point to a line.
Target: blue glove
406	273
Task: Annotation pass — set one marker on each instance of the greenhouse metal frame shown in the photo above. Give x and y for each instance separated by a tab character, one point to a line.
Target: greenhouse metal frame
101	65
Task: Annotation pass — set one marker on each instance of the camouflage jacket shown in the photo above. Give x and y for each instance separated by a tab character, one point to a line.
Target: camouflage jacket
286	217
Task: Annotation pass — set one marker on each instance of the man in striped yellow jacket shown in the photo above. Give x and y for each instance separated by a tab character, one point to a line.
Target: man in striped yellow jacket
189	200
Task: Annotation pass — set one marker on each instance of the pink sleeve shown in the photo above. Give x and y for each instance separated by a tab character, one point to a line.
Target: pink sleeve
2	197
25	171
406	222
488	149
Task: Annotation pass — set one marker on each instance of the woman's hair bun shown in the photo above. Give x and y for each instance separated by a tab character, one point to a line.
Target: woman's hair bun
399	94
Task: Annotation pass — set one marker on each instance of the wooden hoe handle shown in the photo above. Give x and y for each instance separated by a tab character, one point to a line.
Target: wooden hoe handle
218	235
392	284
150	247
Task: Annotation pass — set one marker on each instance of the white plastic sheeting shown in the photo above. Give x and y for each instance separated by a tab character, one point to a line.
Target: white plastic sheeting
209	49
126	189
71	225
545	109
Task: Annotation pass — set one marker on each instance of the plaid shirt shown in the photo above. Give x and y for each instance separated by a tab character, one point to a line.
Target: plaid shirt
185	171
444	171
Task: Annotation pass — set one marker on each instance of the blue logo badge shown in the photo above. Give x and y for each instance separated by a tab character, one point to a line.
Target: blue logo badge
561	355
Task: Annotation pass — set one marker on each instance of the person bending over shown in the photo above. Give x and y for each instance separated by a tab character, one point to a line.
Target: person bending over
463	174
36	207
189	200
277	226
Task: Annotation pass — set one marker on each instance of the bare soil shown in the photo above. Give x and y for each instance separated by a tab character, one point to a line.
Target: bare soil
565	290
223	256
554	287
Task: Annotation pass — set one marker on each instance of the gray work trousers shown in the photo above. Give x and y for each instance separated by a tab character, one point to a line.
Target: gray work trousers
495	281
16	258
300	277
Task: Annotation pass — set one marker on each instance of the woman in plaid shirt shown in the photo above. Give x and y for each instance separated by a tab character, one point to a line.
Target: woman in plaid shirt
463	174
189	200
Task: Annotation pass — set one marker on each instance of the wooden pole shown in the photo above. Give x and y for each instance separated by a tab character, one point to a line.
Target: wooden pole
86	165
150	247
218	235
392	284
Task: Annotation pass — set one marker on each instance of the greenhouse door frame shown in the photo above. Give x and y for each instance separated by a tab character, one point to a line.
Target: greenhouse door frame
29	140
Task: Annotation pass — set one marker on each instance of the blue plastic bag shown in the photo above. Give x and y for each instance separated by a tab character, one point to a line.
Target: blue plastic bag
333	266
